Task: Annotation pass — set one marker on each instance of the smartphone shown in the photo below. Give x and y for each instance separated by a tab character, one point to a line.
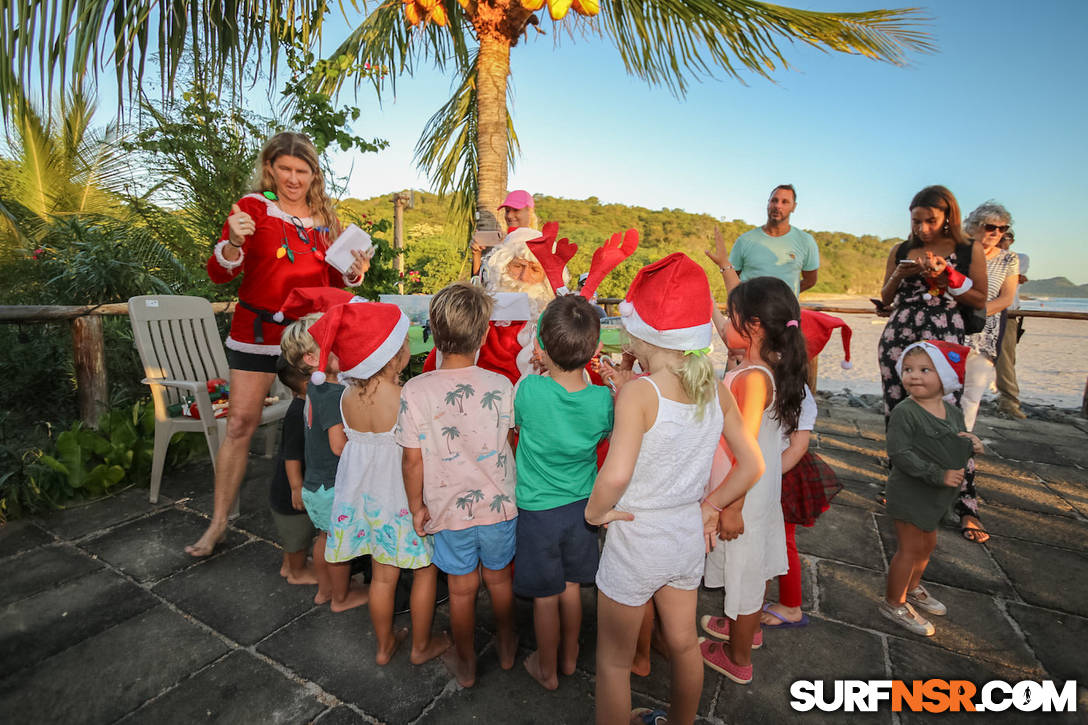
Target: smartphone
487	239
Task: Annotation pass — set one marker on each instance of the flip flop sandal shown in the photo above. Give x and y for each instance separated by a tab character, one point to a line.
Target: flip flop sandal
646	716
785	623
971	533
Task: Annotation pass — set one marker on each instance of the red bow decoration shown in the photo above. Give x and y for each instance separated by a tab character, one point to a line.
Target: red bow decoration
607	257
553	255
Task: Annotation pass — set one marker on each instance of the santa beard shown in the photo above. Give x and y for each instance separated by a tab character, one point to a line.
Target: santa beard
539	293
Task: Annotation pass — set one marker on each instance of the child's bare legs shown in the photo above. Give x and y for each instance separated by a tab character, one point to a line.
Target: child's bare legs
383	588
345	595
557	621
617	637
676	612
641	664
295	569
321	570
500	587
909	562
462	660
741	633
424	646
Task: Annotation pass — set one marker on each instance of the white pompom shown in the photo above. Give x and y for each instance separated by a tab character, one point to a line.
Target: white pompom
846	364
626	308
317	377
278	316
927	296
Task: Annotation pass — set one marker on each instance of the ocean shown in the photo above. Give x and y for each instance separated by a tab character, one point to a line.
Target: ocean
1055	304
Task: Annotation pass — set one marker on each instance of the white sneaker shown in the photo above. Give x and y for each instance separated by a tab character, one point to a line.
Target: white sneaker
905	616
920	598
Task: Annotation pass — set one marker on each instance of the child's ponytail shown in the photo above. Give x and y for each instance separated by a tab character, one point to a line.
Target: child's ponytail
771	301
697	378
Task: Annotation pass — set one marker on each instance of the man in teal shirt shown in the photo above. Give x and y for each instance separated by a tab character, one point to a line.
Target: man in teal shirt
776	249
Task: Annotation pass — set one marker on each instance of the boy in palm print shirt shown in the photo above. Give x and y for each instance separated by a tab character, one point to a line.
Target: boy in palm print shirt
455	427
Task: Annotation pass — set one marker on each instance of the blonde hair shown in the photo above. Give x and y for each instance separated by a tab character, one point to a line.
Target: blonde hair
696	375
297	342
459	315
290	143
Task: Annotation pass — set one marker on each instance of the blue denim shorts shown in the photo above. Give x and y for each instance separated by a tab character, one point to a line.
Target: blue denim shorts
493	545
319	505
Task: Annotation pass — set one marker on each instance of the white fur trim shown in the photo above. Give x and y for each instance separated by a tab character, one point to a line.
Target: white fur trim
510	307
349	282
626	308
846	364
526	337
521	234
357	298
684	338
949	380
967	284
251	347
223	261
382	354
278	316
274	210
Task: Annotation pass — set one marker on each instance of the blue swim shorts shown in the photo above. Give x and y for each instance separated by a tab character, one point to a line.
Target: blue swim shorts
493	545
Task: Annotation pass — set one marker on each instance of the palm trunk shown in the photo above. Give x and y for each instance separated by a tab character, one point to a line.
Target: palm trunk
491	133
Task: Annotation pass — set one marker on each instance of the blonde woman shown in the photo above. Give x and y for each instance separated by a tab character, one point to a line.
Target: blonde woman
275	238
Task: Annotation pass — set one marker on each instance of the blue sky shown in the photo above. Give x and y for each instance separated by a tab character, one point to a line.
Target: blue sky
998	112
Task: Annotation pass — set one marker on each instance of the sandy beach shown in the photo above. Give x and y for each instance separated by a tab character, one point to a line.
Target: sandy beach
1052	359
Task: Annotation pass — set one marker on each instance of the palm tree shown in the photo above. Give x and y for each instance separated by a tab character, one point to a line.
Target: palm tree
468	144
453	397
450	432
491	400
497	503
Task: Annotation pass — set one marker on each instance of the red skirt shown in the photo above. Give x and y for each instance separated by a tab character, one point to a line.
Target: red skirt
807	490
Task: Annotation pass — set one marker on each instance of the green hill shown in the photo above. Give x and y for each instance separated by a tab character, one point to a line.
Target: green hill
1053	287
849	264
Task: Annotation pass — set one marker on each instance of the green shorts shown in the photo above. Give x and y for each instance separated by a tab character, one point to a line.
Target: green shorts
296	531
319	505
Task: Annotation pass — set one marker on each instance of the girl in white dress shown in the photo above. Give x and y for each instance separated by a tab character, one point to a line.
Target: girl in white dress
769	384
650	487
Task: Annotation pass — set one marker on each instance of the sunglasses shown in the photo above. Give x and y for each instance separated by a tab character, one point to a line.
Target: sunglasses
996	227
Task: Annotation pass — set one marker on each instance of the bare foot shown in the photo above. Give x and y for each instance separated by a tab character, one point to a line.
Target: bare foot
304	576
435	646
507	646
464	672
322	597
568	661
206	544
284	571
383	657
532	666
640	666
790	614
356	597
972	530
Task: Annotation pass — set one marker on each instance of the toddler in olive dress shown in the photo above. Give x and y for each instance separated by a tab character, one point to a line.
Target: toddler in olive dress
930	451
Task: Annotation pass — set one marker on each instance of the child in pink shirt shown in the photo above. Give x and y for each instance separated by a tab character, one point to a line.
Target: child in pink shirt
455	426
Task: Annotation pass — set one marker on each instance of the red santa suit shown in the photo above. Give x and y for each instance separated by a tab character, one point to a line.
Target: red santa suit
268	275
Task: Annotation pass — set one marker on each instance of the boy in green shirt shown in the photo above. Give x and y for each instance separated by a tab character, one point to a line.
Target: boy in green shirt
561	419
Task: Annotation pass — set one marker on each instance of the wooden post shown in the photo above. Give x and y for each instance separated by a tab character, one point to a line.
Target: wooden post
400	201
88	343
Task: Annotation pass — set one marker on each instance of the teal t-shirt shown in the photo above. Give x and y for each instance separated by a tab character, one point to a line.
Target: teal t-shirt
322	412
757	254
557	442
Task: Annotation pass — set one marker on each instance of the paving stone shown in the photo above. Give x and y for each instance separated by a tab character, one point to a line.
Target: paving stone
995	466
342	715
252	497
1049	633
239	593
107	676
1065	481
844	534
79	521
337	652
1020	494
1044	575
913	660
154	547
238	688
779	663
840	427
1018	449
854	466
1053	530
1075	453
20	536
259	522
42	569
956	561
35	628
522	700
873	450
975	626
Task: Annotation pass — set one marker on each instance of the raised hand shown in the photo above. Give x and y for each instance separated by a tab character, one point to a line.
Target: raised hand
240	224
553	255
607	256
720	256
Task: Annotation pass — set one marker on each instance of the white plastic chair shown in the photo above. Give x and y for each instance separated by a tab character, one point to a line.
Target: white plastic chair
180	349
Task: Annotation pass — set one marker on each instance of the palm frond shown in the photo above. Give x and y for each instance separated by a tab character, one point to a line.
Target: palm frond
672	42
447	150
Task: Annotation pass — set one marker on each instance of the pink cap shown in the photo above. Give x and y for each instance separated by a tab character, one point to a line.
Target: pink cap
518	200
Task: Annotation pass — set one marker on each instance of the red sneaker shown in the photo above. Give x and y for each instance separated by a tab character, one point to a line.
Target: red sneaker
715	657
719	627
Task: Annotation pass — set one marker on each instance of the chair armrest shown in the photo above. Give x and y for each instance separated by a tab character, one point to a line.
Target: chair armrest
199	392
184	384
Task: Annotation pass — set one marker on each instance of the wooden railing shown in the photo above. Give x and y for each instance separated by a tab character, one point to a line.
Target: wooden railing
89	355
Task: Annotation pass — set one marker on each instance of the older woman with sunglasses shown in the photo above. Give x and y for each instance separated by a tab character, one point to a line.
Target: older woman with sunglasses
275	238
986	225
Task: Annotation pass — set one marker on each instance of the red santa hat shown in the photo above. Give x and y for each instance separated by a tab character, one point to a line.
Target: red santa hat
669	304
817	328
303	301
365	336
949	359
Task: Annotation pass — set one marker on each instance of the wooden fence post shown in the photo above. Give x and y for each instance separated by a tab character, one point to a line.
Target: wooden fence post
89	355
